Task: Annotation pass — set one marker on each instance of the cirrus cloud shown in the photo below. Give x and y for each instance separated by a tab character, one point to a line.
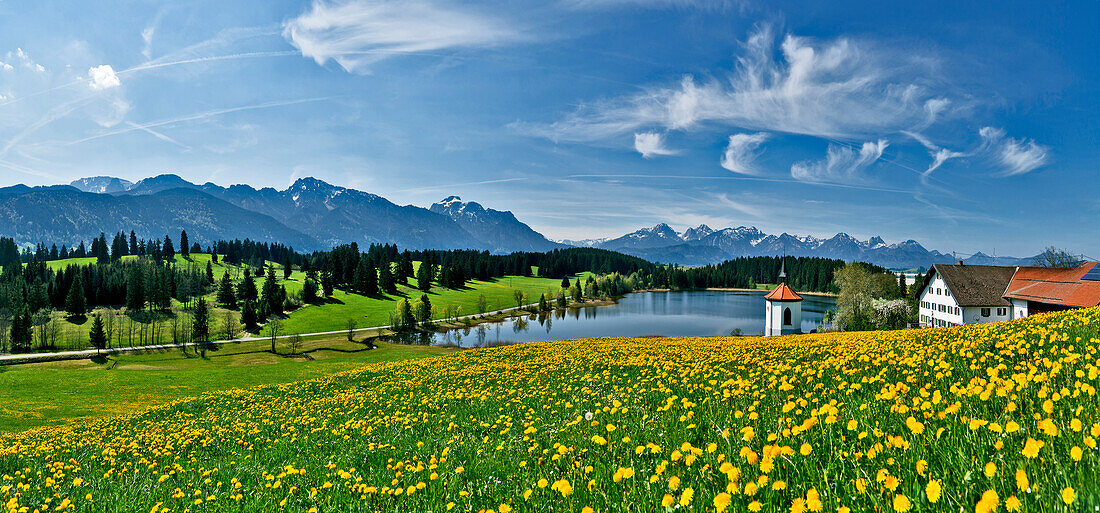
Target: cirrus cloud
742	151
1016	156
842	164
358	33
651	144
835	89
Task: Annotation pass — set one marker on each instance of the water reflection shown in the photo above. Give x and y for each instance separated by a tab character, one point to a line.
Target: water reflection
697	313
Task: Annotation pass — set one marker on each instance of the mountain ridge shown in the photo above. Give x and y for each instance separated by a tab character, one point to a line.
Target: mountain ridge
320	215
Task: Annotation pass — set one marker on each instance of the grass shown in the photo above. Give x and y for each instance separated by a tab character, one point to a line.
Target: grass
55	393
375	311
991	417
331	315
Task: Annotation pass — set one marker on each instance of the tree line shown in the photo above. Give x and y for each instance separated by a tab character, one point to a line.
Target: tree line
811	274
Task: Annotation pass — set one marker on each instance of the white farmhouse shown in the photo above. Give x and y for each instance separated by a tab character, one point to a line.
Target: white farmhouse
953	295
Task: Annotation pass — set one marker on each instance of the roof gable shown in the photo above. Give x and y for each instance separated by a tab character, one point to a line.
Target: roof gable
783	293
974	285
1055	286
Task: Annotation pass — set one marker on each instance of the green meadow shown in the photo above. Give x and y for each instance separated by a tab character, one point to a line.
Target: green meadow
54	393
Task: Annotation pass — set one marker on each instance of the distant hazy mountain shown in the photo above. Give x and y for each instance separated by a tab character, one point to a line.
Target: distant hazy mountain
501	230
696	233
66	215
703	245
582	243
980	258
659	236
102	184
310	214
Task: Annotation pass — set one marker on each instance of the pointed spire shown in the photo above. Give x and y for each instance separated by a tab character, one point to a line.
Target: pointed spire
782	271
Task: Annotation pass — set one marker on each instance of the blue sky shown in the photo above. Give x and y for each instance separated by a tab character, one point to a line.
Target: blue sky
965	127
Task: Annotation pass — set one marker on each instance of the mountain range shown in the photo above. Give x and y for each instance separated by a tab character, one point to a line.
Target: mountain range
704	245
308	215
314	215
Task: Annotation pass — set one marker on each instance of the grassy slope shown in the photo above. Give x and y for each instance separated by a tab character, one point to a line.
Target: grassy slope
694	421
60	392
334	314
372	311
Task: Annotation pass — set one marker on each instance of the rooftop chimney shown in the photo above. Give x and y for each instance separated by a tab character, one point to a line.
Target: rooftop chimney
961	262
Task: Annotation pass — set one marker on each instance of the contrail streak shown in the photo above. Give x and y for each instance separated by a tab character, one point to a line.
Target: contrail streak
195	117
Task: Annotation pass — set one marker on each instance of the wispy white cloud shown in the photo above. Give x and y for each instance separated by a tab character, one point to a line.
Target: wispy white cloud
742	151
358	33
149	31
102	77
724	201
841	164
708	5
19	56
651	144
838	89
939	155
1016	156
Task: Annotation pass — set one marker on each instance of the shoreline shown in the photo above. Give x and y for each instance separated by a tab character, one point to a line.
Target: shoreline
734	289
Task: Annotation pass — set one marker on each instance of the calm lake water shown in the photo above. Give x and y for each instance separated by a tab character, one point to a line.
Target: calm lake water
673	314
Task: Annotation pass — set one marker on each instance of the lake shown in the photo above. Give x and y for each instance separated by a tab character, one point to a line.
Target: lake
672	314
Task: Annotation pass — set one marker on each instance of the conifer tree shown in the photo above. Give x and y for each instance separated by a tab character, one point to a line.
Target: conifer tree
21	329
366	278
425	309
200	326
75	304
185	248
248	314
98	337
167	249
226	296
327	282
135	289
269	295
424	277
246	291
385	279
309	290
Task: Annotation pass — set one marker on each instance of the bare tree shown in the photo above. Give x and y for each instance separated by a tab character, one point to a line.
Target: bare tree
295	343
274	328
230	325
351	325
1056	257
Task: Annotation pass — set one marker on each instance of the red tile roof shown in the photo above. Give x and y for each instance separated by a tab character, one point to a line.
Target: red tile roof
1055	286
783	293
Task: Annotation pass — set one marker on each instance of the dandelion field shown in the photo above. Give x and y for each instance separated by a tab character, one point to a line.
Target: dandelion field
1000	417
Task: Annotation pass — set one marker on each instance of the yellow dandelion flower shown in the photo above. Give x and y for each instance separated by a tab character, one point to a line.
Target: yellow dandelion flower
901	503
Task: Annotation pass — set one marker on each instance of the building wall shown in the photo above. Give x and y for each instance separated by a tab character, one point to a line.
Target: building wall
974	314
1019	308
938	306
773	318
